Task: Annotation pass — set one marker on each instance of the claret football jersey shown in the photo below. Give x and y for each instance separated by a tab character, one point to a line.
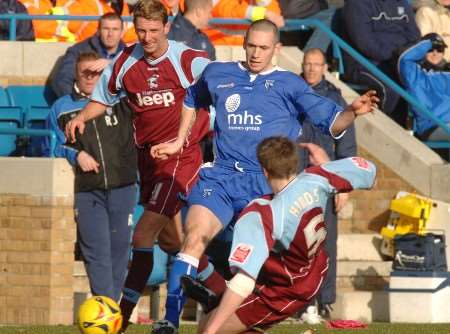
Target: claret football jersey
155	89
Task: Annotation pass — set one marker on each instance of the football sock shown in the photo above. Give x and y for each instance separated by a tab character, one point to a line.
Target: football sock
182	265
209	277
140	270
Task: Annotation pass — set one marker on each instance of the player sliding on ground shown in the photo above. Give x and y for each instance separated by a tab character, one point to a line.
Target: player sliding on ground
278	253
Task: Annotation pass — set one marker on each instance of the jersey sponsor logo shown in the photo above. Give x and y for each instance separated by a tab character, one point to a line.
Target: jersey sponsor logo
241	253
232	102
166	98
240	121
360	163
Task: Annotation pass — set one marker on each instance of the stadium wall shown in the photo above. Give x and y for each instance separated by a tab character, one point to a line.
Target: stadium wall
37	235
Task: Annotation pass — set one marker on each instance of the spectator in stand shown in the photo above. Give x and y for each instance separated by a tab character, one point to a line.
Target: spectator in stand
314	69
311	9
427	77
379	29
106	42
105	162
24	28
241	9
85	29
50	30
186	26
434	16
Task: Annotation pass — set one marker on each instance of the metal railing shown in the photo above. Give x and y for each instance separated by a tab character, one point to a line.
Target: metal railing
33	132
291	24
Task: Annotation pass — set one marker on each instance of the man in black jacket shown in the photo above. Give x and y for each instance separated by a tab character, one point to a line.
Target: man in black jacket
186	26
24	28
106	42
105	162
314	69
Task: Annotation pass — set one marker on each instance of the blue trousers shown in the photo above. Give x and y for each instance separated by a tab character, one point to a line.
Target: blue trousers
327	292
104	221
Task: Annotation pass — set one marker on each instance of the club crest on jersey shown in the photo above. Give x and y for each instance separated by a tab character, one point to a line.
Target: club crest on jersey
268	84
360	163
153	81
241	253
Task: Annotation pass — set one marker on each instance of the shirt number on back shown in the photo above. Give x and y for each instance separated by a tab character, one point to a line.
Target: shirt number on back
314	236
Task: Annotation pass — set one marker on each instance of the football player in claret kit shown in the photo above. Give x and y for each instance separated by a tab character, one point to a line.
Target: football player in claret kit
154	74
253	100
278	253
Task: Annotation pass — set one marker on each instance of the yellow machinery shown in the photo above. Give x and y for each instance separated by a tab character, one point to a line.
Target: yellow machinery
410	214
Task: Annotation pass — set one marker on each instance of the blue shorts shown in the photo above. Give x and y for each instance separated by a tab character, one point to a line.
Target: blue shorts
227	191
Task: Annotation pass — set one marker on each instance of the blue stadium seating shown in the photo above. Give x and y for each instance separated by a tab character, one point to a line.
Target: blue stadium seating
35	118
4	99
10	118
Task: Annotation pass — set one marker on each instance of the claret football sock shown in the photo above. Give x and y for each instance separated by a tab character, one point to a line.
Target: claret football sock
209	277
140	270
182	265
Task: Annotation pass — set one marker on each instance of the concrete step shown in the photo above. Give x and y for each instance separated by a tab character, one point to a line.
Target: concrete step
366	306
359	247
362	275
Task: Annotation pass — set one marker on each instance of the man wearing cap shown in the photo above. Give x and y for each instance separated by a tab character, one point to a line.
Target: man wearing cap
427	76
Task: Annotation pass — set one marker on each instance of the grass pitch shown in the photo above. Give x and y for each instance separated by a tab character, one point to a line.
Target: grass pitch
375	328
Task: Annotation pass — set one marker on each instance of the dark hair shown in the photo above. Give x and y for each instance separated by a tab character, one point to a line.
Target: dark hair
279	157
264	25
150	10
88	55
110	16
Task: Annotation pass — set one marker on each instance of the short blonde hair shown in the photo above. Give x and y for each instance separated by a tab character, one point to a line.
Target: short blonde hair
152	10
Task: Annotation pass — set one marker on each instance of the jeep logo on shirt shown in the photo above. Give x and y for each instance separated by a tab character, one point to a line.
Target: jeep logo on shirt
166	98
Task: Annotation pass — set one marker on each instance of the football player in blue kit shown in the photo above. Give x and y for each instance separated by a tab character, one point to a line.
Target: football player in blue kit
253	100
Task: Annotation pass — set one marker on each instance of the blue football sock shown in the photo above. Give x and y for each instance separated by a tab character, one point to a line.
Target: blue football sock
182	265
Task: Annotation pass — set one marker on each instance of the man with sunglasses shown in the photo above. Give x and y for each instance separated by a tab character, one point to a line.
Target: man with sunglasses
427	77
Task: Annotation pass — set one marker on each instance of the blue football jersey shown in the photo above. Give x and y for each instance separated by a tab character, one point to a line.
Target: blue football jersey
291	225
250	107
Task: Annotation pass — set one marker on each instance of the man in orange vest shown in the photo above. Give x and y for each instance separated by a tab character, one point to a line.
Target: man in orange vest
85	29
49	30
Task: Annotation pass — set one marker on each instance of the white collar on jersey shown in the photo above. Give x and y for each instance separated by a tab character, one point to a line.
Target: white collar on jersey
273	69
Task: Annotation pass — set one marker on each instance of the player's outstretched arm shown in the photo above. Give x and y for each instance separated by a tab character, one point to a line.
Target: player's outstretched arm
362	105
239	287
164	150
92	110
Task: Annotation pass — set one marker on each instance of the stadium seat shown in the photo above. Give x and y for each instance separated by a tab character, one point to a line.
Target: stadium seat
4	100
27	96
30	96
35	119
10	118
